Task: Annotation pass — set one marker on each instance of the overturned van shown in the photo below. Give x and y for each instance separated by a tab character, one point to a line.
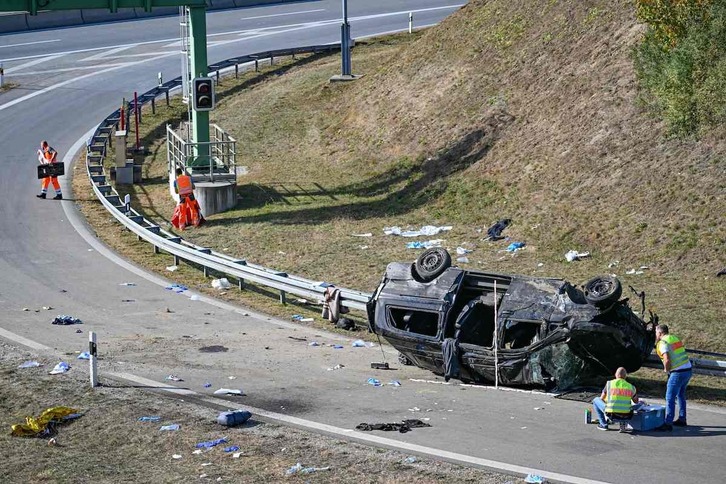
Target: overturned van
530	331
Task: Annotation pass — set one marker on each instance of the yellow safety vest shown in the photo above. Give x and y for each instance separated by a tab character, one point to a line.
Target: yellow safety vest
619	395
676	351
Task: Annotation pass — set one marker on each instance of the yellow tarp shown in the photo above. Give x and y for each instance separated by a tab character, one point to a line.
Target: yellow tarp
33	426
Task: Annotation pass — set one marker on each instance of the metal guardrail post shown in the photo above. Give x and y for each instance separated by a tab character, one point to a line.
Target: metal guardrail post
283	297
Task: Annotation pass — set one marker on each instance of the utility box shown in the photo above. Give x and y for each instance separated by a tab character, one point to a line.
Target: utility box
125	174
120	149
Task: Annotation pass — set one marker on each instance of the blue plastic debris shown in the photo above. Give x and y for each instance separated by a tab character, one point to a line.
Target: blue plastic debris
374	382
65	320
149	419
211	443
313	343
84	356
515	246
359	343
394	383
234	417
177	288
338	347
534	479
207	385
232	448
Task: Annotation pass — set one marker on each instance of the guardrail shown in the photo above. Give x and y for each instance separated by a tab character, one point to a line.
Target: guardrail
161	239
241	269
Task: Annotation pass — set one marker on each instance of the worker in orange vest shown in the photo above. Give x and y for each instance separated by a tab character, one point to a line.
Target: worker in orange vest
184	186
47	155
188	211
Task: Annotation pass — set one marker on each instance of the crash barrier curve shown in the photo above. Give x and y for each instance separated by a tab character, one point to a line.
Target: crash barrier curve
161	239
241	269
19	22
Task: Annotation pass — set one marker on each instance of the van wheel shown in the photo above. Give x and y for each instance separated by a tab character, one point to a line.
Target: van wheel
432	263
603	291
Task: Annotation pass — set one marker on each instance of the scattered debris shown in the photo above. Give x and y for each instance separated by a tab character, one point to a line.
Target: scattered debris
41	426
722	272
170	428
534	479
176	456
172	268
79	331
297	338
26	309
463	260
495	231
300	318
47	308
231	448
313	343
61	367
424	245
127	284
414	409
84	356
427	230
375	382
221	284
207	385
380	366
463	251
211	443
410	460
394	383
30	364
574	255
173	378
302	301
233	418
359	343
337	367
65	320
613	264
367	234
237	455
515	246
337	347
403	427
149	419
299	469
177	288
346	324
229	391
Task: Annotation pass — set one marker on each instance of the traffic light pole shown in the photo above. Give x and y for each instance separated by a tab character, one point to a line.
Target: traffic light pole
198	44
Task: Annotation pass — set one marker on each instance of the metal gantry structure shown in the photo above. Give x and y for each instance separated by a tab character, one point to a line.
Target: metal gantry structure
197	34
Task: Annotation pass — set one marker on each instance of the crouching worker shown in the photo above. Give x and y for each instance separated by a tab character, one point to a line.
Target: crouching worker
187	212
616	400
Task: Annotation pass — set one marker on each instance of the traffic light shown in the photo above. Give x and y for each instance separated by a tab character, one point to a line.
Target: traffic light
203	94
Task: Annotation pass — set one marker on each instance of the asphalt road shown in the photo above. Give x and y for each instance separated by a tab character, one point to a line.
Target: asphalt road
69	79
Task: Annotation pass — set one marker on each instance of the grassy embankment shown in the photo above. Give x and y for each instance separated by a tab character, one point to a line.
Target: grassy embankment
507	109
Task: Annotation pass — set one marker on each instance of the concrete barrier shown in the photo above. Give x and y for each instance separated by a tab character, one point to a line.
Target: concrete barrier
13	22
215	197
59	18
95	15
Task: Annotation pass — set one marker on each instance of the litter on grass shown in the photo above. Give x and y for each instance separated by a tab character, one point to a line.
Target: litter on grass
221	284
424	245
149	419
515	246
30	364
229	391
42	425
211	443
171	268
462	251
534	479
299	469
574	255
367	234
231	448
463	260
172	427
61	367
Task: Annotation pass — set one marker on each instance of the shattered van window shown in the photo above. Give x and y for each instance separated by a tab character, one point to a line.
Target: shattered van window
415	321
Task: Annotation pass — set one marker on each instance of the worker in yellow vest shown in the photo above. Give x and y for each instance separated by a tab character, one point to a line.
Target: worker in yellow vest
676	364
47	155
616	400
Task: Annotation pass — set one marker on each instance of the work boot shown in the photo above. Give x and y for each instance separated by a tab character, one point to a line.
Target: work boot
57	197
664	428
680	423
41	195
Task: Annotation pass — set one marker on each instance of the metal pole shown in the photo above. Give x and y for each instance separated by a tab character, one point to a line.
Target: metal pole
123	115
93	350
410	22
198	43
345	42
2	74
136	118
496	339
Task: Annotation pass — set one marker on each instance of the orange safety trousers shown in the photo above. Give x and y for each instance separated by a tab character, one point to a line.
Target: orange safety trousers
47	180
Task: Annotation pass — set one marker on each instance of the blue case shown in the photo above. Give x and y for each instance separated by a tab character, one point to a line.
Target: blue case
648	418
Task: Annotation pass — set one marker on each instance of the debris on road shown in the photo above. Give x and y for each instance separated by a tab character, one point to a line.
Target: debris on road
84	356
65	320
313	343
534	479
302	319
394	383
375	382
380	366
346	324
61	367
229	391
403	427
127	284
173	378
177	288
336	367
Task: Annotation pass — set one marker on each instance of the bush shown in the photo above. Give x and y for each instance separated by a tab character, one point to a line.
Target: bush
681	62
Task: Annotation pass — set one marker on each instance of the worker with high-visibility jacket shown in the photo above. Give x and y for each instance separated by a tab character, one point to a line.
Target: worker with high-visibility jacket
47	155
183	185
676	364
187	212
616	400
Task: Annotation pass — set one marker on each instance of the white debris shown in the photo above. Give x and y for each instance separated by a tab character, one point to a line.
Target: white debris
574	255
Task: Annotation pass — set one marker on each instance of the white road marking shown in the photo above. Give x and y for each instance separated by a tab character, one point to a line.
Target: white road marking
23	341
33	63
106	53
68	69
29	43
360	436
75	79
284	14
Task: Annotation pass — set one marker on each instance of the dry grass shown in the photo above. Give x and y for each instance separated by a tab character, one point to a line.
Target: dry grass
508	109
109	444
